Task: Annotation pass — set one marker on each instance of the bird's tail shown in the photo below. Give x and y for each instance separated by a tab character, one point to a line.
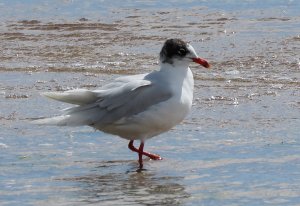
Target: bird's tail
86	113
74	118
63	120
76	96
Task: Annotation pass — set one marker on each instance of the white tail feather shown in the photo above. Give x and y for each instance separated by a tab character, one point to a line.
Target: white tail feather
76	96
78	118
57	121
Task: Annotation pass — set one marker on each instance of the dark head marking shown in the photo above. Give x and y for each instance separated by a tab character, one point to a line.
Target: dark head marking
173	48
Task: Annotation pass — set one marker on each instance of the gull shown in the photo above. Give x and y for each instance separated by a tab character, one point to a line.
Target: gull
136	107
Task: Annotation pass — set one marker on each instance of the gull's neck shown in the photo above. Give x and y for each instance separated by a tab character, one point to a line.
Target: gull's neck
179	77
176	73
181	67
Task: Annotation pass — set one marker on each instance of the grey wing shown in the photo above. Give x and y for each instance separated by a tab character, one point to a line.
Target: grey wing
84	97
124	101
136	101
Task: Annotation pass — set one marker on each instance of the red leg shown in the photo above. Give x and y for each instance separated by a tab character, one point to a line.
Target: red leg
141	148
152	156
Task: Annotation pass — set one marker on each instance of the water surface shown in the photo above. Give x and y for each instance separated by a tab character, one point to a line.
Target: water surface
239	146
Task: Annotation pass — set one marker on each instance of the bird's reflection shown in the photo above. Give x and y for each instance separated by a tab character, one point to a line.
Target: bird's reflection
108	184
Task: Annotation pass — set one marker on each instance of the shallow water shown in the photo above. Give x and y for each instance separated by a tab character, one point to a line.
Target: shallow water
239	146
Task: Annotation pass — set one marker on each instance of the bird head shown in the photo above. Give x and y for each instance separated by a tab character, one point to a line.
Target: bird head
178	52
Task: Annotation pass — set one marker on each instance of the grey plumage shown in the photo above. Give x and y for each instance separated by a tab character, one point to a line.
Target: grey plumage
110	103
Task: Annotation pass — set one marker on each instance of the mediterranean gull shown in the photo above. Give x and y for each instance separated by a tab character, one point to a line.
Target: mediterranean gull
136	107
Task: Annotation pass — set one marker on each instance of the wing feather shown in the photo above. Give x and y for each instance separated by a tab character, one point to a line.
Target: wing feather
126	97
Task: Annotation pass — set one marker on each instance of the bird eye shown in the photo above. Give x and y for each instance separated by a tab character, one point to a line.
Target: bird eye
182	52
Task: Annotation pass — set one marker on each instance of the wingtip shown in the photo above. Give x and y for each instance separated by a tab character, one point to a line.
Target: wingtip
47	94
53	95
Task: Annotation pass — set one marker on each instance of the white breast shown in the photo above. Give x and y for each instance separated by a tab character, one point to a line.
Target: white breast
161	117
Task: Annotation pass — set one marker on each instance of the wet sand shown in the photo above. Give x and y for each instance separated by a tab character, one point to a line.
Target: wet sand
239	146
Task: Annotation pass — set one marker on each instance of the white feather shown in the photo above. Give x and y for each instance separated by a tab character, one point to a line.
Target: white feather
76	96
58	121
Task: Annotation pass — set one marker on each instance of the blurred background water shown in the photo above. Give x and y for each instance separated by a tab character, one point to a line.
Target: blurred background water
239	145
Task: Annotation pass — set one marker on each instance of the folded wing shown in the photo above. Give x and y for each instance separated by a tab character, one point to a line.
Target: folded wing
108	104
